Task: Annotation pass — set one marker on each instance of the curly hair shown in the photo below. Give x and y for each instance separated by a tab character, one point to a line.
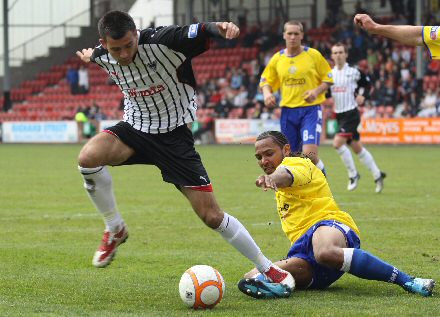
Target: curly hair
281	140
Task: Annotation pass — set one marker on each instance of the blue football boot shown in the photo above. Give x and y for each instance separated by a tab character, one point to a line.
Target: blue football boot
420	286
260	287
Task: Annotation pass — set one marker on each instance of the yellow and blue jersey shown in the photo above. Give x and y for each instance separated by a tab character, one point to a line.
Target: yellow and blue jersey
308	200
430	36
294	75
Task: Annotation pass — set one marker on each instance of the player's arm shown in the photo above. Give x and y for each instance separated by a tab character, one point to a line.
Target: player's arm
281	178
311	95
405	34
362	91
85	54
269	99
227	30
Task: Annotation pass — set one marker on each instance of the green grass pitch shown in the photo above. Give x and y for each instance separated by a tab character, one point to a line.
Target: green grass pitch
49	232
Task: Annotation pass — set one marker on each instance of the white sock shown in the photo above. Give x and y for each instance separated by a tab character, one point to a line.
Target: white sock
236	234
347	159
98	183
320	164
348	256
367	159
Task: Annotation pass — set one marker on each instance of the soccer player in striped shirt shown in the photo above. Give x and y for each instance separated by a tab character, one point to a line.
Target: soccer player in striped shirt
413	35
350	88
302	75
324	240
152	67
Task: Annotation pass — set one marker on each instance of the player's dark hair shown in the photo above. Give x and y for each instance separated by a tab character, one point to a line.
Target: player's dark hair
276	136
341	44
281	140
115	24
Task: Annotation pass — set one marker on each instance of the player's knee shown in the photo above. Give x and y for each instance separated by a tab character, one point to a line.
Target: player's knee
87	158
212	218
327	256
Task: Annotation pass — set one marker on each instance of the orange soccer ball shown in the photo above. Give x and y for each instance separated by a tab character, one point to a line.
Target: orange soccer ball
201	286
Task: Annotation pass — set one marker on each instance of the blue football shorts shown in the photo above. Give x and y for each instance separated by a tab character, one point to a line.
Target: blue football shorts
323	276
302	125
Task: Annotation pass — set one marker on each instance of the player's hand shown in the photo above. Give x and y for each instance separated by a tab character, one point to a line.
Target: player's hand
266	182
310	96
269	100
85	54
364	21
228	30
360	99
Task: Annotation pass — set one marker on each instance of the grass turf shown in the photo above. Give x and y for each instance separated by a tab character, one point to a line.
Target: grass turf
50	230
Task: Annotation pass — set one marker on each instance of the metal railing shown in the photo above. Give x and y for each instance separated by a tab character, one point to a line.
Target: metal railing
55	36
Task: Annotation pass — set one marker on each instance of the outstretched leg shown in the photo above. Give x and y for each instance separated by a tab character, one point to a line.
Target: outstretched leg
330	249
206	207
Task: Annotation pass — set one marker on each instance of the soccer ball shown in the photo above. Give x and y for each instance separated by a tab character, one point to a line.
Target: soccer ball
201	286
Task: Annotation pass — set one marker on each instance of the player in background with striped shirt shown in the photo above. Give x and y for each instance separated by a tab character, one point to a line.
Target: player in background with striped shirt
350	89
302	75
152	67
413	35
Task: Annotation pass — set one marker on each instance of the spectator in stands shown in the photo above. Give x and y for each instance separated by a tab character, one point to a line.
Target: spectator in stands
222	107
95	116
390	95
83	80
372	57
252	87
428	106
240	100
267	114
403	110
236	78
302	75
369	110
81	119
203	129
72	79
377	94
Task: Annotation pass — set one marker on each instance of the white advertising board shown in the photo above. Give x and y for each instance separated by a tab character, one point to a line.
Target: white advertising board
242	130
40	132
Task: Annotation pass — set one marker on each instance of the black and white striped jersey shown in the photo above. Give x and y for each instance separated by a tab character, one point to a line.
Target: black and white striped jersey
348	83
159	84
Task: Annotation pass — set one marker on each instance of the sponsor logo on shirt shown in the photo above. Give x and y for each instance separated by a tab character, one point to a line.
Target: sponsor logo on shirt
329	75
192	32
133	92
339	89
295	81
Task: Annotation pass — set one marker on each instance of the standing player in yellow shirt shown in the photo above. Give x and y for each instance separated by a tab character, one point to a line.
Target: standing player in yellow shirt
324	239
302	75
413	35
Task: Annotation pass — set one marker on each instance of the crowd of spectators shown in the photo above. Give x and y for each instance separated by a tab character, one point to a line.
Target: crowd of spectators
390	66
